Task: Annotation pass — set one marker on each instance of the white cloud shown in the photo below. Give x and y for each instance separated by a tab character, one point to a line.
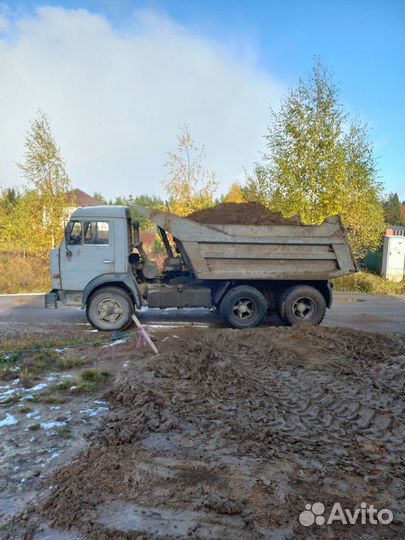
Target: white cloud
116	99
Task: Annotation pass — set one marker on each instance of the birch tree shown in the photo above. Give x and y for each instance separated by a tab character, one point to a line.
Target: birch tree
319	163
190	185
44	171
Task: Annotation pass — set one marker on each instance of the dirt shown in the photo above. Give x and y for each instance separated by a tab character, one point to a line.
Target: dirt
229	434
250	213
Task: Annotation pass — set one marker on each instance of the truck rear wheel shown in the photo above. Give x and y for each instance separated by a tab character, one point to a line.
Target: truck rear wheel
109	308
302	304
244	307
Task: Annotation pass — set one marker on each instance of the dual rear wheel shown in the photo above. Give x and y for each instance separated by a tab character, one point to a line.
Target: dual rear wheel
245	306
301	304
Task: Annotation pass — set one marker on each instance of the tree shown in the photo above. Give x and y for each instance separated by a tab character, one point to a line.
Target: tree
99	197
17	216
318	163
148	201
392	210
44	170
402	210
189	185
8	202
235	194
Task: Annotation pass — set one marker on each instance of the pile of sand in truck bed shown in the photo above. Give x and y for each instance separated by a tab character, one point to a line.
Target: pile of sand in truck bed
249	213
229	434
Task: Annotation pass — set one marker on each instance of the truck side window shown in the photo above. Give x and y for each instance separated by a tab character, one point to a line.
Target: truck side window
75	232
96	232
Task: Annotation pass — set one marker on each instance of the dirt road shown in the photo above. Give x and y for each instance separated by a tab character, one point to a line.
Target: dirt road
229	434
384	314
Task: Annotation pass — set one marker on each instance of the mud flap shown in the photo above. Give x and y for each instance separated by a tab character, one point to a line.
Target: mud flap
51	300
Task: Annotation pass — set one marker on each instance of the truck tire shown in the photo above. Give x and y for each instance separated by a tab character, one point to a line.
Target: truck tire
244	307
109	308
301	304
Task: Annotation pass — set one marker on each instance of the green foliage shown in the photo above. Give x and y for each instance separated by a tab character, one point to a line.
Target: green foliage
31	220
148	201
47	183
24	410
392	210
189	185
402	211
89	380
65	432
235	194
34	427
319	164
92	375
99	197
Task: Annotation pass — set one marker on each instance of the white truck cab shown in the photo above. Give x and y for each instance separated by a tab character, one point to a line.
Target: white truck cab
93	255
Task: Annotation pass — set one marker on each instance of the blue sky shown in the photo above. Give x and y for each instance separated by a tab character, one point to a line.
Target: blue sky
361	41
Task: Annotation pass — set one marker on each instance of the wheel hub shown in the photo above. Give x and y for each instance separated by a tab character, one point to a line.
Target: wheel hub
244	308
304	308
109	310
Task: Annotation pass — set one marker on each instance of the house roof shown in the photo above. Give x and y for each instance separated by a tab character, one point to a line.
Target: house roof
77	197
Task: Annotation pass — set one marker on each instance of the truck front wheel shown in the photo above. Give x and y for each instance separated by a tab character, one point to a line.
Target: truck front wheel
244	307
301	304
109	308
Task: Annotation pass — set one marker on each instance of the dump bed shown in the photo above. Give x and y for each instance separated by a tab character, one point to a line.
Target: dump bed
281	252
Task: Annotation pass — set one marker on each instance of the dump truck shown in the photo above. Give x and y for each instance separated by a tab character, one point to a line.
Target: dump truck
240	271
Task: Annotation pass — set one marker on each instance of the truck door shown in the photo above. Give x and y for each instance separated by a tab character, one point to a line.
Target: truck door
87	252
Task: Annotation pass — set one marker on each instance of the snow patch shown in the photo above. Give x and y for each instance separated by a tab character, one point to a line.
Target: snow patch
93	412
9	420
50	425
114	343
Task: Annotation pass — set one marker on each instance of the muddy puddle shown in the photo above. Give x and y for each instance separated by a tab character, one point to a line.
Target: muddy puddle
37	437
230	434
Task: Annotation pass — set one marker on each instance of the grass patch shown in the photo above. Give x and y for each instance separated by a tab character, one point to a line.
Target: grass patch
24	410
89	380
65	363
27	344
63	386
20	274
9	374
27	376
65	432
368	283
7	359
93	375
34	427
30	368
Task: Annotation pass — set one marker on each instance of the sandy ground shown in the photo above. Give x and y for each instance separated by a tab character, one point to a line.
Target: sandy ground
229	434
